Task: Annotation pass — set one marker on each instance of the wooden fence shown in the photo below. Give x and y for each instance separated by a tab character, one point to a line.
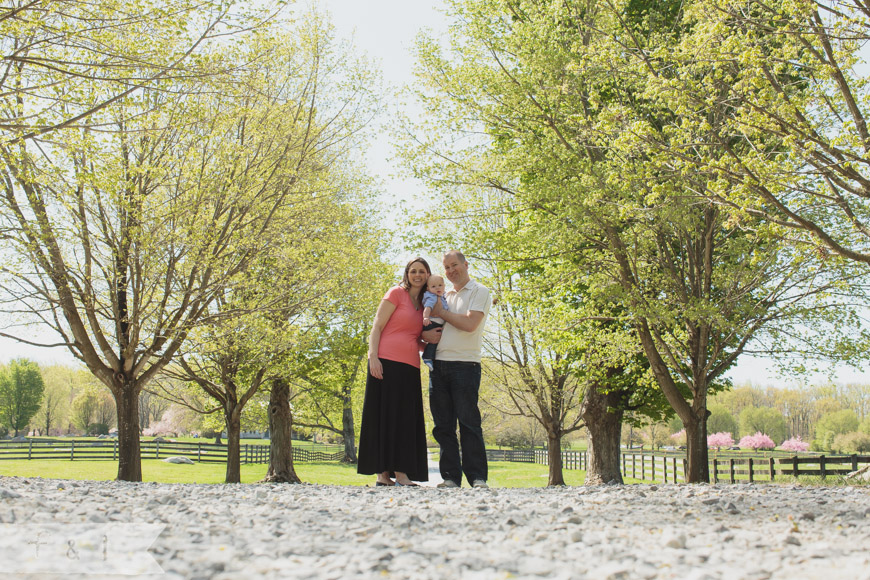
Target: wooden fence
643	466
105	449
727	468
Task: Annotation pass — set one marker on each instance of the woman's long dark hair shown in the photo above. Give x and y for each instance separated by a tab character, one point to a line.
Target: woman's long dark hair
406	283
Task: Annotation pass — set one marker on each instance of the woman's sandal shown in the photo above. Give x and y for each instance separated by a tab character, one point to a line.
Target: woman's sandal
412	484
381	483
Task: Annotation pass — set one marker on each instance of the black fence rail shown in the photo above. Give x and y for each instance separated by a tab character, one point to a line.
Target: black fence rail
260	454
570	459
671	466
107	449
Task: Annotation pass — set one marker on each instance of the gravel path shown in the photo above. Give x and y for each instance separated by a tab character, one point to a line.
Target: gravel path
318	531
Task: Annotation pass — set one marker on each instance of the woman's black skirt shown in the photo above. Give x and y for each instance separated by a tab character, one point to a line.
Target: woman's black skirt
393	432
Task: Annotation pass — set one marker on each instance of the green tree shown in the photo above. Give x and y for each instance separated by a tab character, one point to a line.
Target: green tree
796	405
763	420
787	73
66	61
21	391
853	442
114	235
552	88
127	237
307	106
86	407
586	376
722	421
60	384
328	376
831	425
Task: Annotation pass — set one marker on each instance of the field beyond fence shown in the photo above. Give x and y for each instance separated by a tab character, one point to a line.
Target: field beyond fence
648	466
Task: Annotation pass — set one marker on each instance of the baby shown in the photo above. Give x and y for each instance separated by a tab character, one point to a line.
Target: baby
434	291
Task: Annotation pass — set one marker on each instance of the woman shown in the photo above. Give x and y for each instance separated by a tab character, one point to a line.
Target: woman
393	434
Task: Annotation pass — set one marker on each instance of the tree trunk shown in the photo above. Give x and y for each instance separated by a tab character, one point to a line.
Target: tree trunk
554	458
281	468
698	468
234	437
604	428
129	454
347	429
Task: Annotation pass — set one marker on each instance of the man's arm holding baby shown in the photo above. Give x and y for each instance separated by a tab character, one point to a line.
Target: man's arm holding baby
432	336
467	322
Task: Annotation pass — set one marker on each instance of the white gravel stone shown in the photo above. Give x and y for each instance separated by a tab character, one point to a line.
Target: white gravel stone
323	532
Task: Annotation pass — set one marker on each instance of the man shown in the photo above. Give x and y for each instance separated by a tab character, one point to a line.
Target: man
455	380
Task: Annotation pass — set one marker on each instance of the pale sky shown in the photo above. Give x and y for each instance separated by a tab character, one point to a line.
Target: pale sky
385	30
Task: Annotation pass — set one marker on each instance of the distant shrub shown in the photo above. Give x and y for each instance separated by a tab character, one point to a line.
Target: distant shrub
98	429
723	439
795	444
757	441
854	442
515	438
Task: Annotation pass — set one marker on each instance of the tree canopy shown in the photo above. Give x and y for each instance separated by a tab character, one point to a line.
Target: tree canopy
21	392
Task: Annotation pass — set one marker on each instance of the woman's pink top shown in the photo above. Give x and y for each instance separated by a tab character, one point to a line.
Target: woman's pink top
400	339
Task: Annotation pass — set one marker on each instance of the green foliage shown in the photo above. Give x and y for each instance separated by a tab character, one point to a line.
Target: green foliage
722	421
565	124
178	148
516	437
98	429
764	420
85	408
831	425
21	391
854	442
62	384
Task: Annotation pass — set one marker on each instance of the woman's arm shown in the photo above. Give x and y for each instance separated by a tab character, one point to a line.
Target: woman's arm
385	310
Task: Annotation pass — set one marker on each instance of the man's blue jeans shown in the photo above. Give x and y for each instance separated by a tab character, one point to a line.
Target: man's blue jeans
453	391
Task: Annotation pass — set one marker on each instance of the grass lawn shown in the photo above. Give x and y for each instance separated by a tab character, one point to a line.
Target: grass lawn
501	474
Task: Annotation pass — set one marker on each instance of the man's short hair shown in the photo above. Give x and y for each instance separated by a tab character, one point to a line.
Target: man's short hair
459	255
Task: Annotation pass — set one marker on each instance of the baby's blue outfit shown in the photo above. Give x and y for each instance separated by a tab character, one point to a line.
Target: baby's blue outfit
429	300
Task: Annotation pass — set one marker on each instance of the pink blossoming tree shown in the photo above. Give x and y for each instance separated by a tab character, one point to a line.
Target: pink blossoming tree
757	441
795	444
720	440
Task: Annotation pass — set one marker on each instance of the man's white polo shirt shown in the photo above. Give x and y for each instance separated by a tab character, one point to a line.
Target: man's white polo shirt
459	345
